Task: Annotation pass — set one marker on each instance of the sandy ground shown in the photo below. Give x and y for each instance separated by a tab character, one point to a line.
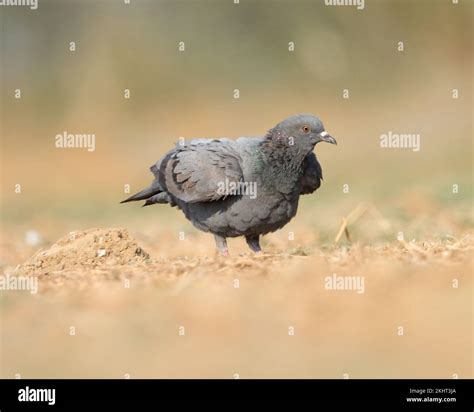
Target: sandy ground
109	305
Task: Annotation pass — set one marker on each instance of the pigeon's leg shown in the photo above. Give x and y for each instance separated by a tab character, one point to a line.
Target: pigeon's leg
254	243
221	244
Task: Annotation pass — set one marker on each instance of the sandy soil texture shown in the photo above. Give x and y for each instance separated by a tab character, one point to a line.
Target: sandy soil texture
109	305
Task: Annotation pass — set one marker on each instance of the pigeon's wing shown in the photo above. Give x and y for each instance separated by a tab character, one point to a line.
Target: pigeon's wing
312	174
199	172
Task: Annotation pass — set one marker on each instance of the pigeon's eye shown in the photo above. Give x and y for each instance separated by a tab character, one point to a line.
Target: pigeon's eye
305	129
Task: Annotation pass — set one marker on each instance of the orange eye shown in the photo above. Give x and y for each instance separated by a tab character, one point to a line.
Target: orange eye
305	129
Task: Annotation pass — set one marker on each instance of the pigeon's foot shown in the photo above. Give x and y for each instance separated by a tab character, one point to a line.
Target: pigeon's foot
254	243
221	244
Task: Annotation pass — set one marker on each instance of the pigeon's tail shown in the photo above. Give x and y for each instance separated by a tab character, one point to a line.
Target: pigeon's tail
161	197
143	195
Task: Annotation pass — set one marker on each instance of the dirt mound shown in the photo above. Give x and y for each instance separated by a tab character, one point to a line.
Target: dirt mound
86	249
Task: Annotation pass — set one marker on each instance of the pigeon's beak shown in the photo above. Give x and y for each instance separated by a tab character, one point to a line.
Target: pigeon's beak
326	137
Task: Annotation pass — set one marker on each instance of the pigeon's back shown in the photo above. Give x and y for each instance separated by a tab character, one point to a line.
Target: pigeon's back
245	147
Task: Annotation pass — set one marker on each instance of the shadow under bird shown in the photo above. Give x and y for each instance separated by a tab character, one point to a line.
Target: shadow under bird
245	187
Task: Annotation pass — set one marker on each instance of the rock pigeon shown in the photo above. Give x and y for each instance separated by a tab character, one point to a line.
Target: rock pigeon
245	187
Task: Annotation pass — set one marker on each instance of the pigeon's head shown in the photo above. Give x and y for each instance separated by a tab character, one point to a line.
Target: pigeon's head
300	132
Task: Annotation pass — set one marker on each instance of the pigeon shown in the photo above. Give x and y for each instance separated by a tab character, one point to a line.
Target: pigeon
245	187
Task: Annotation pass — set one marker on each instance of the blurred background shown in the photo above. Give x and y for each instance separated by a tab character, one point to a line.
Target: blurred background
232	46
190	93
